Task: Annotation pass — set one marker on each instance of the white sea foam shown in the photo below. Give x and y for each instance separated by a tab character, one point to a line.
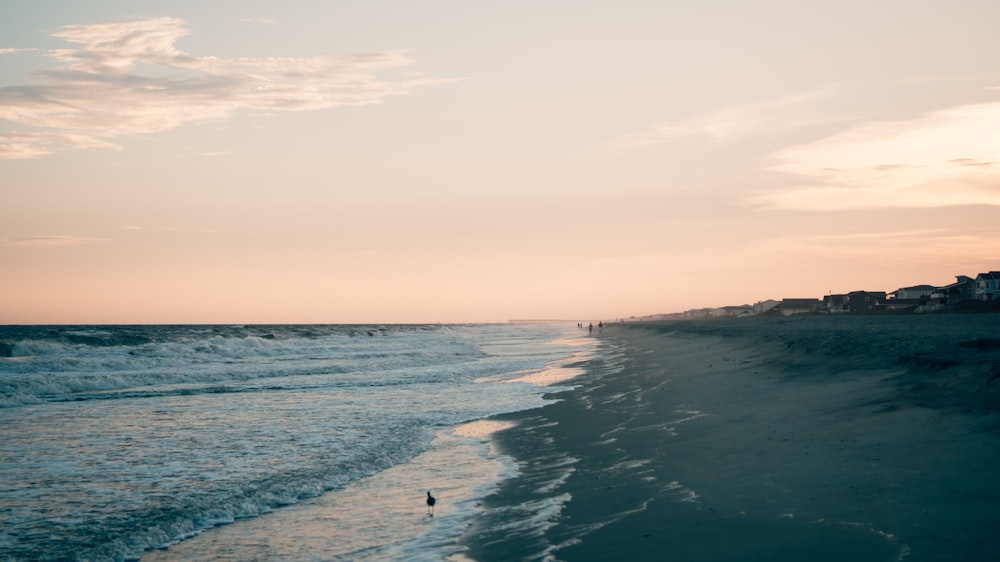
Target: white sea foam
382	517
482	428
154	435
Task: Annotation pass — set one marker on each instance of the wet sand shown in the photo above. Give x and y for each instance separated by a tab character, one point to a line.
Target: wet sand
812	438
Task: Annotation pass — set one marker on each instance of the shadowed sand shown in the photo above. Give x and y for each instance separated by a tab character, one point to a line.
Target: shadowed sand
845	438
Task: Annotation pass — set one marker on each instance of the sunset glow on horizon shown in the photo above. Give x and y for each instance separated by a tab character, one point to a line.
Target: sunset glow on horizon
398	162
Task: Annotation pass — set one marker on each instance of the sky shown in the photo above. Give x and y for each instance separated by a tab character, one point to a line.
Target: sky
467	161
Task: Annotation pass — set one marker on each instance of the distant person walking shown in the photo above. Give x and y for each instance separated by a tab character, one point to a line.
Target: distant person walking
591	328
431	500
600	327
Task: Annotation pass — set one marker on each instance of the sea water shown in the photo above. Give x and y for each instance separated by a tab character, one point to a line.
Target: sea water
258	442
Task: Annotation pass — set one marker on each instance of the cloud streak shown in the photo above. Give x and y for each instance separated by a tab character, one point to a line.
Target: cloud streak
129	78
944	158
33	145
43	241
734	123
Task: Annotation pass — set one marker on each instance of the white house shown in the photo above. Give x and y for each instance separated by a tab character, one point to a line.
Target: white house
916	292
988	286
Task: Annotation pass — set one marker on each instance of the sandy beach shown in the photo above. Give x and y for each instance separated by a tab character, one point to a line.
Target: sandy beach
862	438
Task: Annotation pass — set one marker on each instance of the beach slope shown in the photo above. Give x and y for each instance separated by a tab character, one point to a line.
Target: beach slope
817	438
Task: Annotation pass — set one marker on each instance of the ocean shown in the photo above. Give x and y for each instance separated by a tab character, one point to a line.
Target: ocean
304	442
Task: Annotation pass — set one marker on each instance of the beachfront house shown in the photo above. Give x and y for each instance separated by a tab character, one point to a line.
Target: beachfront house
863	302
791	307
910	298
763	307
836	304
698	313
962	290
916	293
988	286
732	311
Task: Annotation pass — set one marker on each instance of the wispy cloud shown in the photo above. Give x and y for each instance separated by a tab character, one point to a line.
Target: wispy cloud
33	145
169	229
733	123
129	78
39	241
877	244
945	158
9	50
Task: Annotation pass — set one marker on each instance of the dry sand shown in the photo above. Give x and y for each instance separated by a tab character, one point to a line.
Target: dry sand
833	438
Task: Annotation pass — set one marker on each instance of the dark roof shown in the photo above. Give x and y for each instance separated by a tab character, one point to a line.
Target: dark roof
919	288
800	302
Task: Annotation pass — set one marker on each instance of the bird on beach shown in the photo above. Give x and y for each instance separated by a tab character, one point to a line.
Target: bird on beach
431	500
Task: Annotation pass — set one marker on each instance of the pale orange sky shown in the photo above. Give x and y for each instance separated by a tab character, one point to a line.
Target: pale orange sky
450	161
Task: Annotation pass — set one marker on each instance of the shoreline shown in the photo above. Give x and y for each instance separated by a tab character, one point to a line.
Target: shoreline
383	515
862	438
328	527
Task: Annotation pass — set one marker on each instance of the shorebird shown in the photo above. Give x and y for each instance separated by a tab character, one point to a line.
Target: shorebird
430	504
